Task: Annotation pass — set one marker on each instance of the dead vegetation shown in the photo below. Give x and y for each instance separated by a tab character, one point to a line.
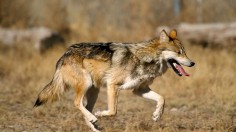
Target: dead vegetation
205	101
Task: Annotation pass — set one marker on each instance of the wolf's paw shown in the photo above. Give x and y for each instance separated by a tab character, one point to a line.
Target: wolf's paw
102	113
105	113
156	115
92	119
94	126
97	127
96	130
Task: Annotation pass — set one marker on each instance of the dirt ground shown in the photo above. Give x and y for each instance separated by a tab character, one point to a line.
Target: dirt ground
205	101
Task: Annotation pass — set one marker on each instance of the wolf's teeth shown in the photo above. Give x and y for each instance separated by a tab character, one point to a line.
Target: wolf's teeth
174	64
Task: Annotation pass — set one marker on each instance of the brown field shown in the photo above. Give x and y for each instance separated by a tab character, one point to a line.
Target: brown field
205	101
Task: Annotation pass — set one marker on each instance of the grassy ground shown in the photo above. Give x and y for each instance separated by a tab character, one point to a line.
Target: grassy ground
205	101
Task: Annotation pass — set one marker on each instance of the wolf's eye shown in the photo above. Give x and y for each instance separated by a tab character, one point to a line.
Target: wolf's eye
179	52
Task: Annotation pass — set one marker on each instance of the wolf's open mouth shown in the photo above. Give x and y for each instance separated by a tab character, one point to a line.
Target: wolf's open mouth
177	67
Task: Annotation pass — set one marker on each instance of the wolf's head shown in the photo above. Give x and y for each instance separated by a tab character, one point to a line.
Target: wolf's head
173	52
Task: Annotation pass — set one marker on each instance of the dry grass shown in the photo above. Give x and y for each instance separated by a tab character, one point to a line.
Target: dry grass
205	101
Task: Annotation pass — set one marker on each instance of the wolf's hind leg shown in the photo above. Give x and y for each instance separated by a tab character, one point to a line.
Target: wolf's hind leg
91	96
79	104
149	94
88	116
81	87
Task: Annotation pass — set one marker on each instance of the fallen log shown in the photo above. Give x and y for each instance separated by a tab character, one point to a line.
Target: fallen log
40	38
220	35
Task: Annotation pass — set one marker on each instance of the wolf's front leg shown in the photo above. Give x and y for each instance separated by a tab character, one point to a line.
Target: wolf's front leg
149	94
112	95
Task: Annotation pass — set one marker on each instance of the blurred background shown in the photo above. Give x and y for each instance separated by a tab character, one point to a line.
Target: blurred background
112	20
35	33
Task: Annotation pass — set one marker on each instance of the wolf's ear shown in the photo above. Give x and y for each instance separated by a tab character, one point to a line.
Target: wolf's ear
164	37
173	34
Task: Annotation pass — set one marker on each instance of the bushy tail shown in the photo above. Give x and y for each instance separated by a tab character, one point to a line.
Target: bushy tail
51	91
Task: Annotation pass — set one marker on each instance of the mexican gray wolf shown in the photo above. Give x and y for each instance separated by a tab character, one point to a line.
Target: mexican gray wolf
86	67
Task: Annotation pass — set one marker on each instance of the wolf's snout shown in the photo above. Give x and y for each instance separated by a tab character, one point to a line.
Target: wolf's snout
192	64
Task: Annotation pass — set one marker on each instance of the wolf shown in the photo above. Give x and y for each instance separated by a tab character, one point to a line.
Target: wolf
87	67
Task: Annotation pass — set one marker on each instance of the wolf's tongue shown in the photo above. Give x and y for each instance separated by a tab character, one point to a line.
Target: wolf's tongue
181	70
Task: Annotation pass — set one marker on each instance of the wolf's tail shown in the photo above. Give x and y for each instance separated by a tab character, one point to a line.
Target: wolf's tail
51	91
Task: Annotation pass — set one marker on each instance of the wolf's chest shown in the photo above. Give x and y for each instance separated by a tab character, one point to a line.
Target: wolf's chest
142	75
131	83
